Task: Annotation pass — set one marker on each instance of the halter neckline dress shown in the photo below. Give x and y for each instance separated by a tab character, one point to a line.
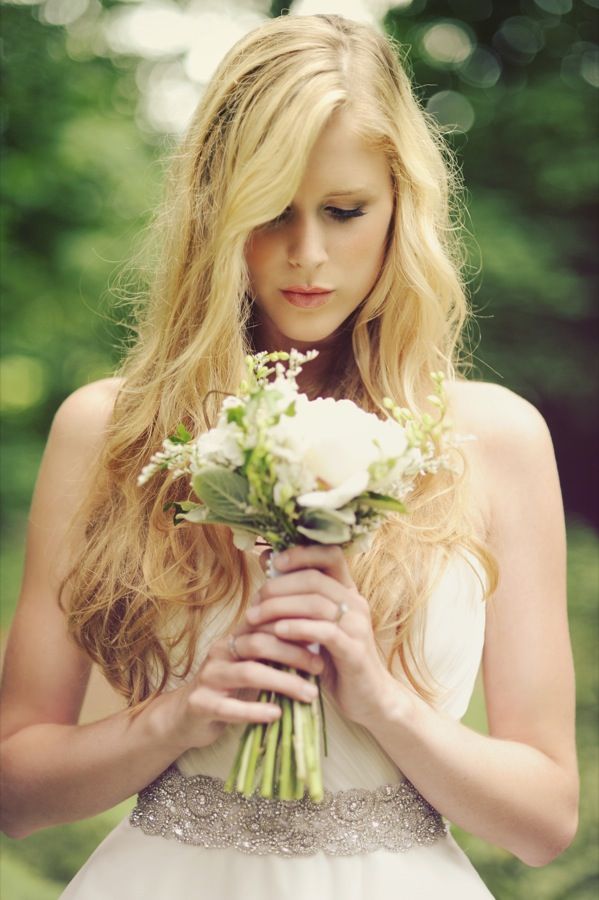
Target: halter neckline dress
375	837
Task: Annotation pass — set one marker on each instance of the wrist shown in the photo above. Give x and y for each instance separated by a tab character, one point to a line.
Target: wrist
394	705
165	722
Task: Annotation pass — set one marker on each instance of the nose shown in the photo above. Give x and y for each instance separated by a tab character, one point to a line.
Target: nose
306	249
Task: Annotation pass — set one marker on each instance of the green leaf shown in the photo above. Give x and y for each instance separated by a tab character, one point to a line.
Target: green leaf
224	493
382	502
324	527
186	505
181	435
236	414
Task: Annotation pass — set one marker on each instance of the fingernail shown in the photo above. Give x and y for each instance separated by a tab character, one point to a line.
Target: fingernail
252	615
280	559
309	692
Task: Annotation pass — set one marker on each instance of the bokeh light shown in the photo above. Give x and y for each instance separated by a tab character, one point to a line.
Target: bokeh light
23	382
453	111
519	39
447	44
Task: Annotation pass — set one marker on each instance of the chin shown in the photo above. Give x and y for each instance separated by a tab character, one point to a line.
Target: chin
313	331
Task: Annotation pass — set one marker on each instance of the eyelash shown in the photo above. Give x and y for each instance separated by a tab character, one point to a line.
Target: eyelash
342	215
338	214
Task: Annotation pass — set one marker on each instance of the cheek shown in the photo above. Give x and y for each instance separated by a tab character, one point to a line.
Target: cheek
258	256
365	250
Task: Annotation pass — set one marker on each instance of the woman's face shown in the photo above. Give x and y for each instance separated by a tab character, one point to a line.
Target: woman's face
310	268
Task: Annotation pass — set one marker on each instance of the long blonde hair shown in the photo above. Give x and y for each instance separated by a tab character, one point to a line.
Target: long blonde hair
239	167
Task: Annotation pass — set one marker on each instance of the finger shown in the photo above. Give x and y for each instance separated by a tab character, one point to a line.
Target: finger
260	677
304	581
329	560
319	631
230	709
301	606
263	646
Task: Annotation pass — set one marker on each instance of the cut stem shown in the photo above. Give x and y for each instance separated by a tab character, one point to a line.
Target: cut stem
270	755
285	792
230	782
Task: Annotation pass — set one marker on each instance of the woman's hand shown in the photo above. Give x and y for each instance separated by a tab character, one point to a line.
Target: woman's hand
314	600
232	675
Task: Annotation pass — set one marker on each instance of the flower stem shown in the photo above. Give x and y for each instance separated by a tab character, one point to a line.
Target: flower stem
244	761
311	732
298	739
285	792
257	748
322	717
271	741
230	782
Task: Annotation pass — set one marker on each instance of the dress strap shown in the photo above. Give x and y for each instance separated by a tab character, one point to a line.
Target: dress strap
197	810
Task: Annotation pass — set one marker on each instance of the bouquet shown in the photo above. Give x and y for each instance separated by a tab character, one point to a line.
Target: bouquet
297	471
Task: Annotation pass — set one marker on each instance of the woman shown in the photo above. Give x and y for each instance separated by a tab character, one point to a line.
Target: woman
310	207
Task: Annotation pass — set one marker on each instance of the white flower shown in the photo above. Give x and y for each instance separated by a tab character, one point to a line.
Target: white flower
337	497
336	442
221	446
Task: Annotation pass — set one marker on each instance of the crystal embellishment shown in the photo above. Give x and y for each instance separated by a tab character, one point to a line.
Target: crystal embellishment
197	810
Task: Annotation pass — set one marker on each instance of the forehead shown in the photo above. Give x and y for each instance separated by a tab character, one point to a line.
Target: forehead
342	160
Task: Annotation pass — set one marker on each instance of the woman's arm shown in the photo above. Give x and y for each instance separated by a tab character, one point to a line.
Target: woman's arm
54	770
517	787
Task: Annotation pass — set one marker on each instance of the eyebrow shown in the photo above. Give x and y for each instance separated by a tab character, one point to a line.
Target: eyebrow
349	193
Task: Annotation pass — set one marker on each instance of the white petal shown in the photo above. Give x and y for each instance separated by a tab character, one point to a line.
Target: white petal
339	496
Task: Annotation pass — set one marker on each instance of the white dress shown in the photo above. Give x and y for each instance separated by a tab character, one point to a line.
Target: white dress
134	864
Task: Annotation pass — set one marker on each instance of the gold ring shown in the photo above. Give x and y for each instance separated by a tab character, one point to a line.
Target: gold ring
233	648
343	608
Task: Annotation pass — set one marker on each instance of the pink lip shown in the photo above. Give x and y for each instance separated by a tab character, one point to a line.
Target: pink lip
306	297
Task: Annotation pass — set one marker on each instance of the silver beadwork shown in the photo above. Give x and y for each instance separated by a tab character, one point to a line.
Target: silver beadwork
196	810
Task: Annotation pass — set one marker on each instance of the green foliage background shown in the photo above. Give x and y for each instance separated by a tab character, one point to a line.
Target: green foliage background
80	175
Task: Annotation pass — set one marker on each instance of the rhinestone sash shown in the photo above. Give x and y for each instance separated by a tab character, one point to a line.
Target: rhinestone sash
196	810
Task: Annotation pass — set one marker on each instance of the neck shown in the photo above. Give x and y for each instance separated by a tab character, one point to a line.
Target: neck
318	378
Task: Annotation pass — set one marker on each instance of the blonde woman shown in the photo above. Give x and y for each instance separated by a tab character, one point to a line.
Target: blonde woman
311	205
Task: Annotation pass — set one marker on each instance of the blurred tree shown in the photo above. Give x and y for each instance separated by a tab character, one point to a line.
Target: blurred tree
76	177
520	81
522	76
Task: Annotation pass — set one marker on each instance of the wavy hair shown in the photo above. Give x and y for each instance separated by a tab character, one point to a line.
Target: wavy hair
140	588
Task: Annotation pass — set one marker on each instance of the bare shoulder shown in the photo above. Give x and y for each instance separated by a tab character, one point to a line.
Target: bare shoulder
86	412
512	447
77	436
500	419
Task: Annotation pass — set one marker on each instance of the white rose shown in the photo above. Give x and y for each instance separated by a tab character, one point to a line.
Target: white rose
337	442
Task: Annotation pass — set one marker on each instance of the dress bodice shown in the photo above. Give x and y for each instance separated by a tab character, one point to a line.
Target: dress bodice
208	829
450	633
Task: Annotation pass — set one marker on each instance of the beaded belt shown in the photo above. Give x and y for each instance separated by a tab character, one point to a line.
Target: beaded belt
196	810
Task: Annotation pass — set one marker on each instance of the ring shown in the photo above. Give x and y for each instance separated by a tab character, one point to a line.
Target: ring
232	648
343	608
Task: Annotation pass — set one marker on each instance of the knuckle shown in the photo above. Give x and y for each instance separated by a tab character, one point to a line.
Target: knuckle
314	579
254	643
219	707
248	673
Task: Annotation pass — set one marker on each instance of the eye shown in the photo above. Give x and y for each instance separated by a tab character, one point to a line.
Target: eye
342	215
